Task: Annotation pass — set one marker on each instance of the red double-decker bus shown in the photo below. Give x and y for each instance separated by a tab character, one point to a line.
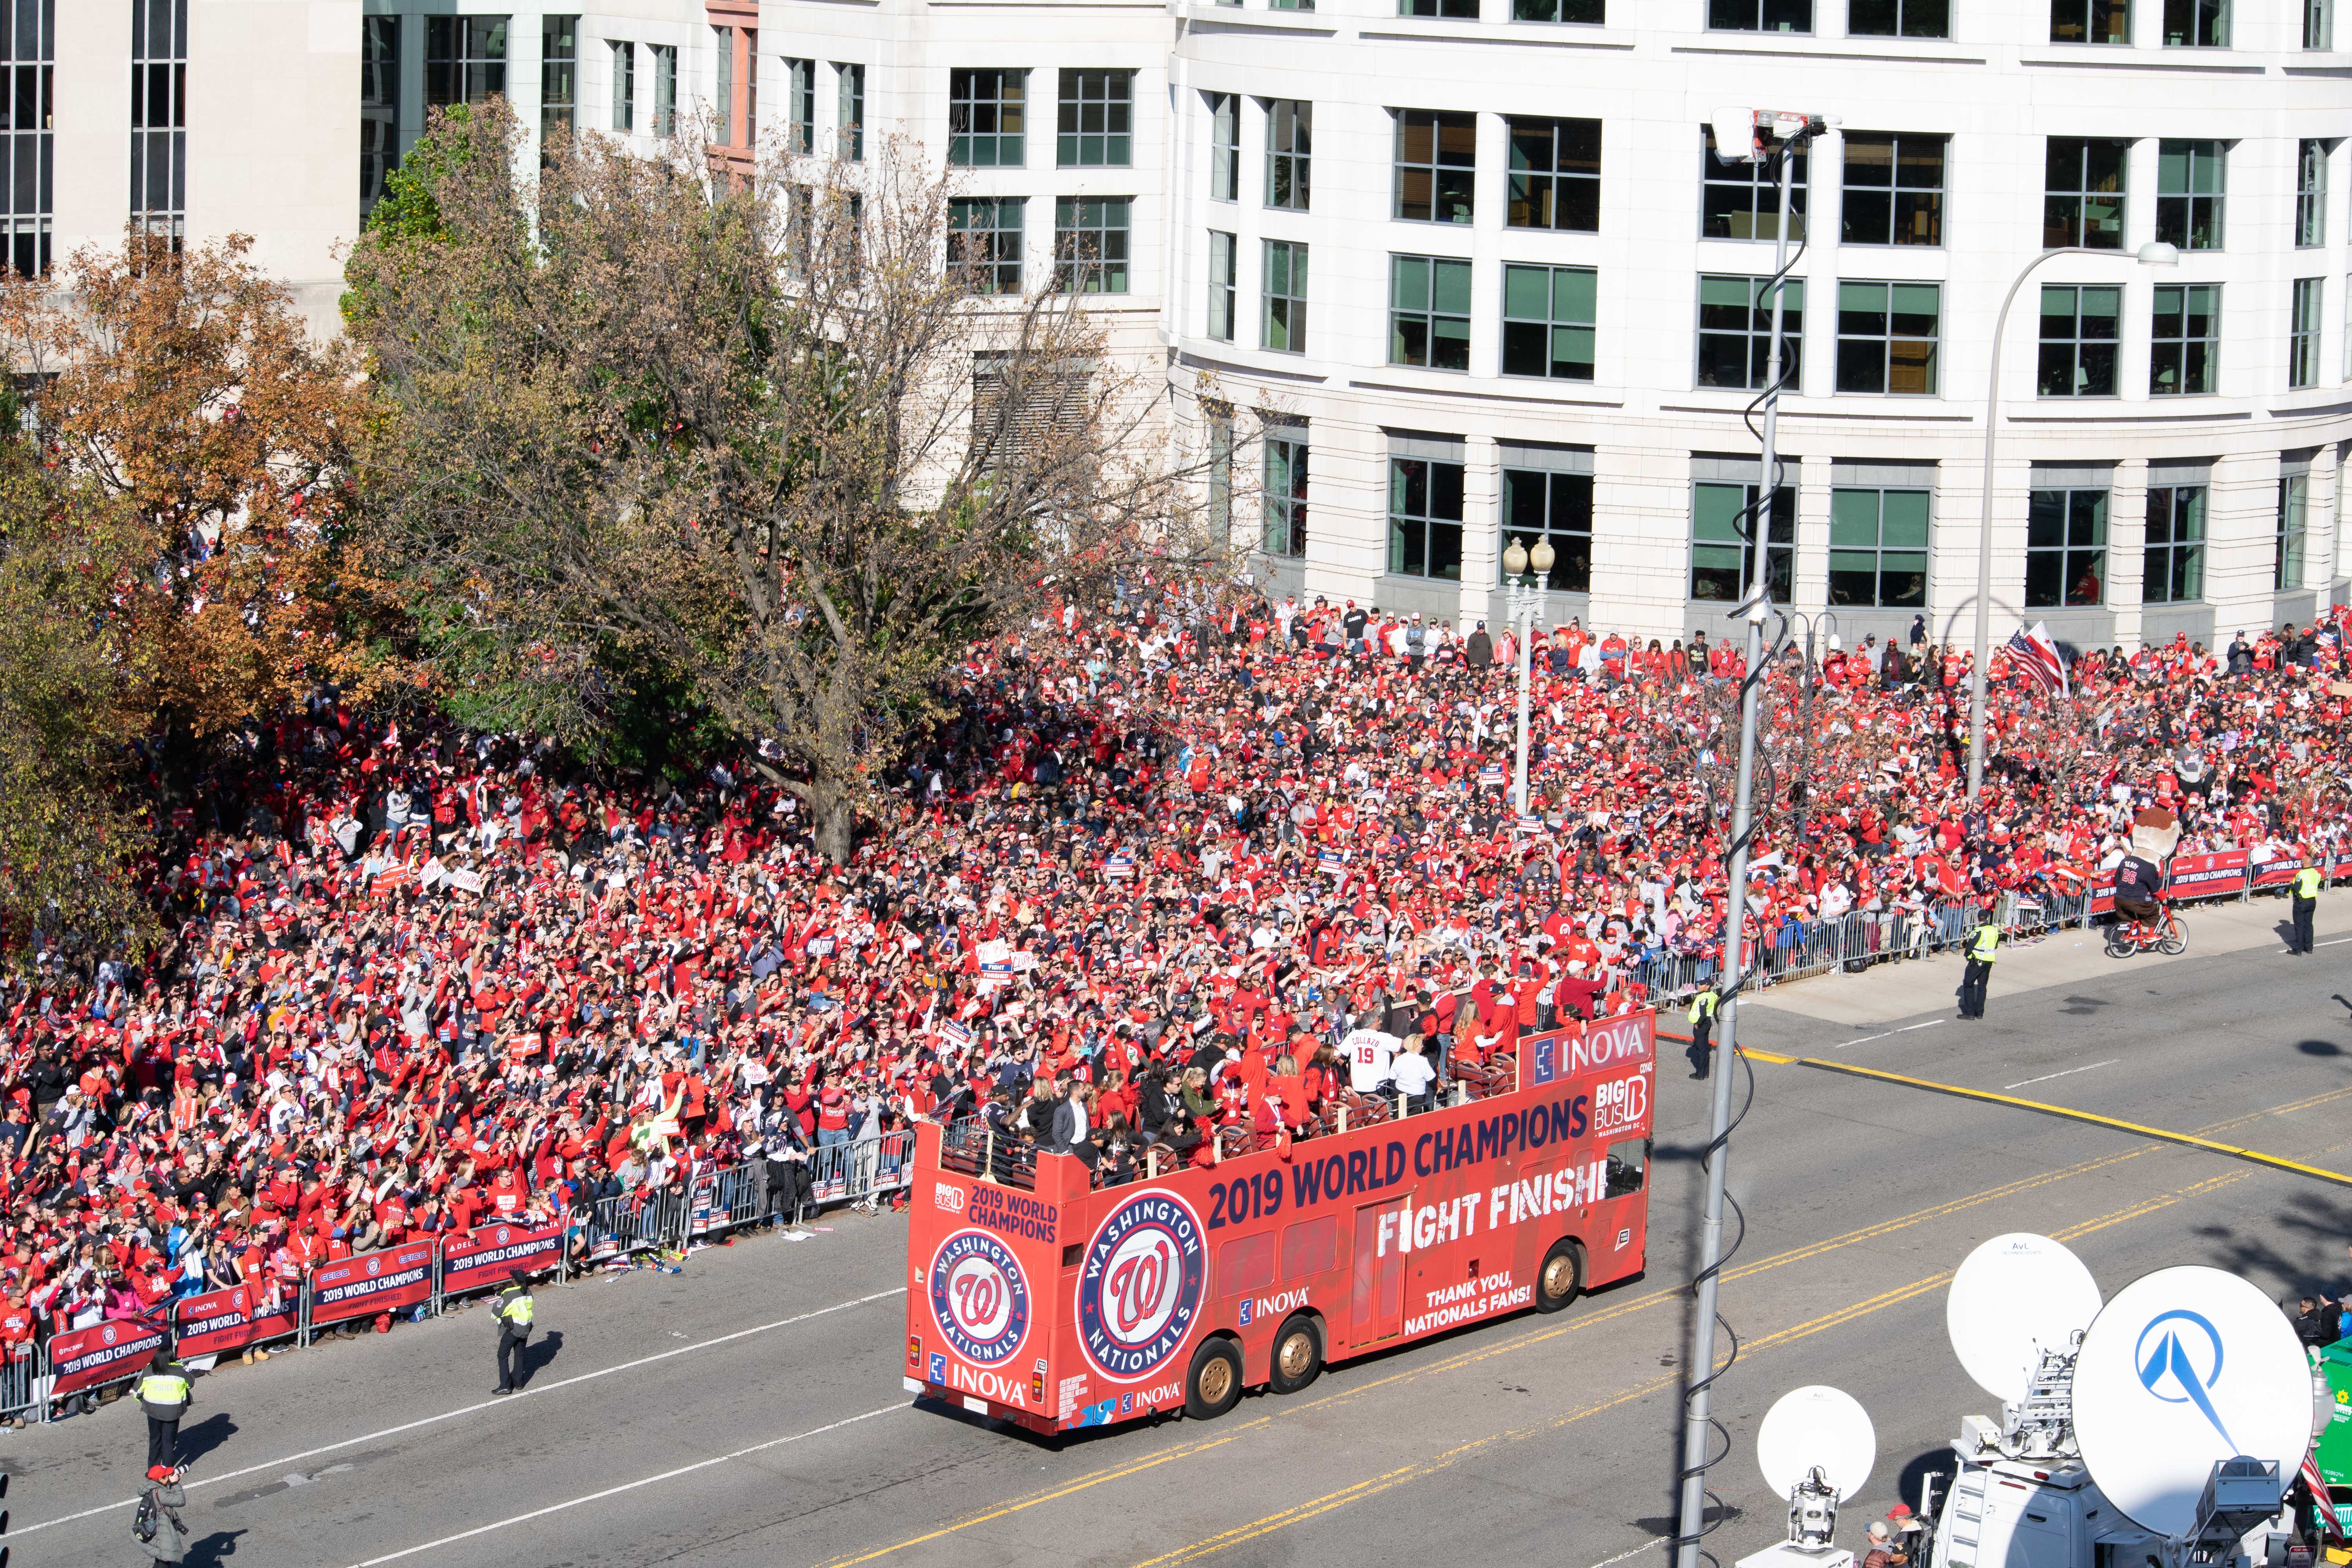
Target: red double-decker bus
1038	1298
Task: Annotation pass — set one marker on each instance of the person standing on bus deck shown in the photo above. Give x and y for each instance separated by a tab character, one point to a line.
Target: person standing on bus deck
2305	888
1702	1025
512	1315
1984	947
1412	1075
164	1395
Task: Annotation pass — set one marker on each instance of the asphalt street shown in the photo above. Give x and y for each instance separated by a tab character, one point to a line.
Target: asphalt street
748	1410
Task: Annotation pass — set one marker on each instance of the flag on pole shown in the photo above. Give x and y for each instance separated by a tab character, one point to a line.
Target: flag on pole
2037	656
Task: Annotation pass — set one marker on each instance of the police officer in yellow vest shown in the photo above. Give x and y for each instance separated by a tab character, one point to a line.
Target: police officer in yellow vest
164	1395
513	1317
2305	891
1984	946
1702	1025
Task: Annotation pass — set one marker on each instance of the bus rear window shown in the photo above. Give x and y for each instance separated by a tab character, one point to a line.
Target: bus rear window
1629	1162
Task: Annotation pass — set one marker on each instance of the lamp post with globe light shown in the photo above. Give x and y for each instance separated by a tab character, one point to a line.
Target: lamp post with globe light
1524	597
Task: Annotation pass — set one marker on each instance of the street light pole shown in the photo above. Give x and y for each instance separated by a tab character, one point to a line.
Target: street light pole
1523	598
2154	254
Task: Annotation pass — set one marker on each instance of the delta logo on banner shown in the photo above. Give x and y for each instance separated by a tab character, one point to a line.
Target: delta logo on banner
103	1352
373	1282
483	1259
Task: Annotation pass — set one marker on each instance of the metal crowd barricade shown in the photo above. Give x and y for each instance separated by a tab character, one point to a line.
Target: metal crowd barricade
22	1379
721	1201
642	1220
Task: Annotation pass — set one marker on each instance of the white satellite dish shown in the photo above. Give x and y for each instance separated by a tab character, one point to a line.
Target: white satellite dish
2013	1298
2186	1367
1818	1427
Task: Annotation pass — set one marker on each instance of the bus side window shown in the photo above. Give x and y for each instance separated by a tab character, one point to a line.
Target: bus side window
1246	1263
1310	1248
1629	1163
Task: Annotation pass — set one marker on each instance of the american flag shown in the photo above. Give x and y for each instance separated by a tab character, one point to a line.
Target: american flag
2037	657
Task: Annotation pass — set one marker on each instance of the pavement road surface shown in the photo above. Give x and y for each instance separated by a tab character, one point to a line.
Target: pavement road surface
748	1410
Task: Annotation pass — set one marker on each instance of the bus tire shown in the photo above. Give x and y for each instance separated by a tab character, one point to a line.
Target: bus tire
1214	1386
1561	1275
1297	1356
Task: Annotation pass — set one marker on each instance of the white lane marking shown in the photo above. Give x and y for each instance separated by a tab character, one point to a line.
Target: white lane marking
2331	940
1867	1038
1635	1552
2070	1072
484	1404
632	1485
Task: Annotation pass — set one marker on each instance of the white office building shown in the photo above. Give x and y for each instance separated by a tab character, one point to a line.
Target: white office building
1423	276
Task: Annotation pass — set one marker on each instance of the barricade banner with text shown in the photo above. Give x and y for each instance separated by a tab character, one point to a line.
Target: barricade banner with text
2206	876
481	1259
373	1282
103	1352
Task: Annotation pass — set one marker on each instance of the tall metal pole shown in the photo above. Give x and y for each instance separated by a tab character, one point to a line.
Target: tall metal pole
1696	1433
1522	607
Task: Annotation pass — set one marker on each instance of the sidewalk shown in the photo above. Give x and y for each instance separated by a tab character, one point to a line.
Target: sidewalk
1887	992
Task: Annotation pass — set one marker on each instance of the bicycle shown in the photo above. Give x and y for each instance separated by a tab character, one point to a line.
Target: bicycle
2165	935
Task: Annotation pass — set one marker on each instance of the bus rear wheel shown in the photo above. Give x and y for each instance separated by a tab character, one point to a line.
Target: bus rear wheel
1214	1386
1297	1355
1560	1277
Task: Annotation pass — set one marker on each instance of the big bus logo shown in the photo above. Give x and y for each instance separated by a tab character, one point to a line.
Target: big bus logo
1140	1292
980	1296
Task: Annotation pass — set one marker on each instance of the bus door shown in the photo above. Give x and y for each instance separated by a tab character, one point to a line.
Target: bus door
1379	1304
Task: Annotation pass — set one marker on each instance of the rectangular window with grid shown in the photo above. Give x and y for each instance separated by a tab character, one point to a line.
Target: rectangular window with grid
2287	540
984	242
2090	21
1887	336
722	107
2079	331
1437	165
2319	24
2185	339
1735	332
559	78
1583	12
1290	5
2191	178
1894	190
663	60
1097	130
379	104
624	84
849	90
2065	549
1459	10
2174	568
1742	201
1759	15
750	87
464	60
1289	149
1549	321
1878	548
2303	332
1285	531
986	118
159	117
800	106
1429	313
1285	279
1224	267
2083	193
1541	505
1723	549
28	156
1899	18
1425	519
2310	192
1225	146
1090	244
2197	24
1554	174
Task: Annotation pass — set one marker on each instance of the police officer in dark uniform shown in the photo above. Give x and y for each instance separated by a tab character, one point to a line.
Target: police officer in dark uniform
164	1395
512	1314
1984	947
1702	1025
2305	891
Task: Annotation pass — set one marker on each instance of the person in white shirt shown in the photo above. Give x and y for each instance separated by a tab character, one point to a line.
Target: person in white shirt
1412	1075
1368	1052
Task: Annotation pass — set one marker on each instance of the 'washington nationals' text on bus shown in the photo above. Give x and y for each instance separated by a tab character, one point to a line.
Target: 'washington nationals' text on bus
1037	1298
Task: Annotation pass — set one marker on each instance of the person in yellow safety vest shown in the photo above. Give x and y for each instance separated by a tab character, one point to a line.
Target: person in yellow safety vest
1984	946
513	1317
1702	1024
164	1393
2305	888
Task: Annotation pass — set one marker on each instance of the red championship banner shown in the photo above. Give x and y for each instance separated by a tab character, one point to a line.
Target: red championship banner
103	1352
212	1322
2277	873
484	1258
373	1282
2103	893
2339	868
2207	876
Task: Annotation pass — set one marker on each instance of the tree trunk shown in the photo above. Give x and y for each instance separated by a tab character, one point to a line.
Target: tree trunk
836	827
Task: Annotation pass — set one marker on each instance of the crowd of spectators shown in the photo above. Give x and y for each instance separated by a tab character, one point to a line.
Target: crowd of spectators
1140	885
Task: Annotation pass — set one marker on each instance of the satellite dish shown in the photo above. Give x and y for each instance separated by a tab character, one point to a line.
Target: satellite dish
1824	1428
2013	1298
2184	1368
